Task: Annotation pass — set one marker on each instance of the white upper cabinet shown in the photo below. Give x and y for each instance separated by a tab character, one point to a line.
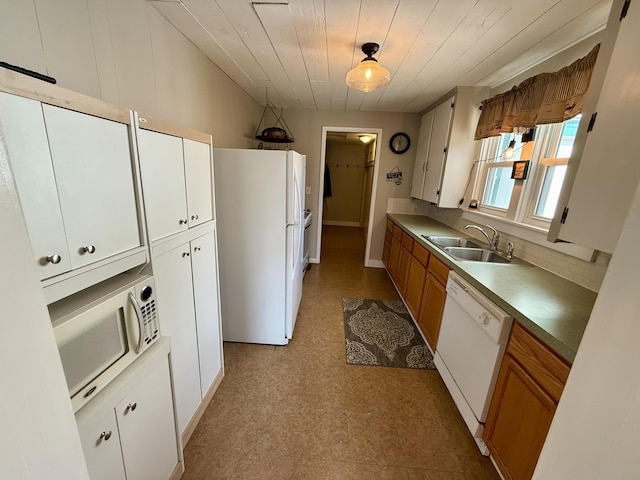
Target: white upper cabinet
163	183
592	210
177	177
93	170
76	177
420	165
446	148
23	128
197	170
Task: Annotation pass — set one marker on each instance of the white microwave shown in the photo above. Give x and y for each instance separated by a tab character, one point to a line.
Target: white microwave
102	330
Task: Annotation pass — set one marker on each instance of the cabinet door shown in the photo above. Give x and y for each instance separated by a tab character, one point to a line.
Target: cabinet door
205	291
101	446
420	165
394	257
518	421
431	309
197	171
403	270
147	429
163	183
94	174
24	131
603	189
415	286
172	272
437	150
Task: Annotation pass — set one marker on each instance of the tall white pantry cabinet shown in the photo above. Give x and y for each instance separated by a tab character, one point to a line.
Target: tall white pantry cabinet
177	182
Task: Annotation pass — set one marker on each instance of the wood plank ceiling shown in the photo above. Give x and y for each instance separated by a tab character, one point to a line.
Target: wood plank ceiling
298	52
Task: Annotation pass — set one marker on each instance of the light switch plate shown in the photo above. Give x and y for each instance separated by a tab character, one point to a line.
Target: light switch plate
307	190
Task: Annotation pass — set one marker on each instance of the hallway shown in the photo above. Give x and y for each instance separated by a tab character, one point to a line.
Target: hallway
300	412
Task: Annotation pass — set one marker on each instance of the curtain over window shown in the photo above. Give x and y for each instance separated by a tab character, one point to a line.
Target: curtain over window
544	98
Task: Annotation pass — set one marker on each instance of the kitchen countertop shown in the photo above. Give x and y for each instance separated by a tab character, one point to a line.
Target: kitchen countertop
551	307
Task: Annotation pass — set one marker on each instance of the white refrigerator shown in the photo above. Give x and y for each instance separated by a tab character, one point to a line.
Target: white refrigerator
260	224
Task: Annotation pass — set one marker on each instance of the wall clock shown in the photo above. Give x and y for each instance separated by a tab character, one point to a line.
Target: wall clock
399	143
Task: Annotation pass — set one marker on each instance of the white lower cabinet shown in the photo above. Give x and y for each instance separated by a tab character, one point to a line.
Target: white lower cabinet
185	271
129	432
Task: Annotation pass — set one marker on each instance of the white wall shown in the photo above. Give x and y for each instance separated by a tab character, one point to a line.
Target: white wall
125	52
39	437
594	434
306	126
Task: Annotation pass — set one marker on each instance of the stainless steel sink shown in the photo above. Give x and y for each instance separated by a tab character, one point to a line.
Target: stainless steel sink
442	241
481	255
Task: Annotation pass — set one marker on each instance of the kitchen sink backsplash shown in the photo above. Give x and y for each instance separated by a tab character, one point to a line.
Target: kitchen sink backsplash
586	274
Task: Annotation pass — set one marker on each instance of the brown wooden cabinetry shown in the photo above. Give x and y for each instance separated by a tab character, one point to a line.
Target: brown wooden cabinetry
528	389
386	250
433	298
403	265
416	278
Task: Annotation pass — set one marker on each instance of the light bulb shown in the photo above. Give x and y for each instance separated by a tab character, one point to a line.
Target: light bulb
509	152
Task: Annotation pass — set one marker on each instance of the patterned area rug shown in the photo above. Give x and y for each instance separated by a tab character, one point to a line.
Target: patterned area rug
381	332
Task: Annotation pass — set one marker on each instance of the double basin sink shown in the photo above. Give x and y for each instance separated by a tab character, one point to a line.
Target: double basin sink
464	248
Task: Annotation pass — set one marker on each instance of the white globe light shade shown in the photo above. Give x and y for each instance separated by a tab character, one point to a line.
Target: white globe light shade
367	76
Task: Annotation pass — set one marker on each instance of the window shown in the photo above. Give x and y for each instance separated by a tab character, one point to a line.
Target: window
532	201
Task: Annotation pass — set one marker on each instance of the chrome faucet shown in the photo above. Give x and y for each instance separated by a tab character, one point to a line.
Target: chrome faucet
493	240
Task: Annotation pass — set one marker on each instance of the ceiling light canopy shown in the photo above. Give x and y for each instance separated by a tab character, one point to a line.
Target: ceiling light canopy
368	75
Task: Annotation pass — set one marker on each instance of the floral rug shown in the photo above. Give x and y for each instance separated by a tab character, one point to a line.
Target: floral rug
381	332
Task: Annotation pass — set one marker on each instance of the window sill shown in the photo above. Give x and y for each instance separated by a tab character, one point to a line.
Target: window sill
529	233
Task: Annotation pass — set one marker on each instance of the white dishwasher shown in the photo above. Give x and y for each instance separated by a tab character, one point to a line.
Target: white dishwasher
472	340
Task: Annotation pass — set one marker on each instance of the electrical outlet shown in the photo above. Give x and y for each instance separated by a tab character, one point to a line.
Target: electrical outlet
307	190
414	207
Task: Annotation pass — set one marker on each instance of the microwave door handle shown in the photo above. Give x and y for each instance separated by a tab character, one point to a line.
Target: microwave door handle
136	307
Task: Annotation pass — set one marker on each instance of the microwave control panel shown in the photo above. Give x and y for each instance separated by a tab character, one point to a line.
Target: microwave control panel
149	315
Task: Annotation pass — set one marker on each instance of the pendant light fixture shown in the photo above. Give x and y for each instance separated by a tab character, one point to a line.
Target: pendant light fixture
509	151
368	75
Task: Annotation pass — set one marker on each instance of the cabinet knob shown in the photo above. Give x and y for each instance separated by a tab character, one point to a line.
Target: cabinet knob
131	407
182	221
196	249
194	217
55	259
185	254
88	249
105	435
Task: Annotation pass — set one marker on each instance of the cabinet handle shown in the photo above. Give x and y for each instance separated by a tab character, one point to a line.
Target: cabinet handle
182	221
197	249
88	249
194	217
105	435
131	407
55	259
185	254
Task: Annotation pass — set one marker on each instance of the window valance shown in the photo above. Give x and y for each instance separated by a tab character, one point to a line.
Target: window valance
544	98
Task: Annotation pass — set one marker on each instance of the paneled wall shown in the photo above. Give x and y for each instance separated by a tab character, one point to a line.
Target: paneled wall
127	53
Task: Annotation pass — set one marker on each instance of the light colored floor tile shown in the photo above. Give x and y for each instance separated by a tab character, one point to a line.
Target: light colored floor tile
300	412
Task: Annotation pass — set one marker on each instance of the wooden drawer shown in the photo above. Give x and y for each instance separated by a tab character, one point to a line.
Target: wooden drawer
407	241
549	370
397	231
438	269
389	225
421	253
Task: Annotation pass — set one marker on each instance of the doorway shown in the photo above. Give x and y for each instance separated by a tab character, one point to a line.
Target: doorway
347	186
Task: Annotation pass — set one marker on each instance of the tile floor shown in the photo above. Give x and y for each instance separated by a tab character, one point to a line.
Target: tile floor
300	412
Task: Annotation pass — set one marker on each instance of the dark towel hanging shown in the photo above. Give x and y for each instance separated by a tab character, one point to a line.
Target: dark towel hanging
327	181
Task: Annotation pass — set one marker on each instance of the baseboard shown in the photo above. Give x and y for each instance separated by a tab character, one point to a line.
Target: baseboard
193	423
177	472
375	264
341	224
